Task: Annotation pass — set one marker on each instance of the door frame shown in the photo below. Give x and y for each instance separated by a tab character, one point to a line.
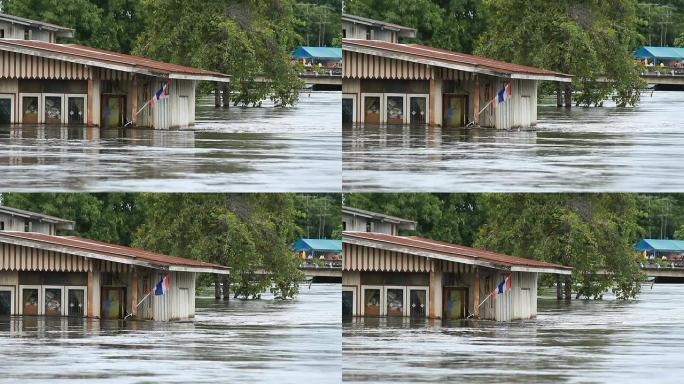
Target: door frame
351	289
363	298
13	108
427	106
13	299
85	106
352	97
125	300
21	298
445	99
363	105
85	298
445	297
383	116
63	102
104	100
41	297
384	295
40	106
427	298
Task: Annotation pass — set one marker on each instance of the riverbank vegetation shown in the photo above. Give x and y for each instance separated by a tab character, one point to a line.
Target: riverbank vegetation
591	40
249	40
247	232
591	232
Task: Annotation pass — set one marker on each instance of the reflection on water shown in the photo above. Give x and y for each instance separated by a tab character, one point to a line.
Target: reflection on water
239	149
585	341
240	341
625	149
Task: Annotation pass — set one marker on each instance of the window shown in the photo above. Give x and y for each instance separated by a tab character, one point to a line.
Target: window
369	226
369	36
2	33
2	225
27	226
344	33
27	34
344	226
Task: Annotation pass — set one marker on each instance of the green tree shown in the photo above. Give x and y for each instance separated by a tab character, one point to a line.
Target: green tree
591	40
247	39
591	232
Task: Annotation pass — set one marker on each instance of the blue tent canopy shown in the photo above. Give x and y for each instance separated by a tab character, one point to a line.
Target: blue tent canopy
318	53
317	245
650	245
659	53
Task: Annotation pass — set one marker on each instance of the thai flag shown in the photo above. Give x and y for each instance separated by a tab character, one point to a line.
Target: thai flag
503	95
163	90
163	285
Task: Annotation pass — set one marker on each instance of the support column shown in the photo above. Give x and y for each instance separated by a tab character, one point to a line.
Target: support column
226	95
134	101
134	293
89	107
226	288
568	95
217	95
559	95
435	295
91	279
217	287
568	287
432	98
559	288
476	101
476	294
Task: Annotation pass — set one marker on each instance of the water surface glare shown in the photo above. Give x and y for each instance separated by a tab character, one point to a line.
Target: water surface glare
607	341
242	341
294	149
597	149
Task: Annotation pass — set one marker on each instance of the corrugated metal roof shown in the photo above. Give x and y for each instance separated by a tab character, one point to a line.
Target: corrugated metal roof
321	245
376	216
33	215
109	250
660	245
378	23
422	244
321	53
34	23
665	53
95	57
438	56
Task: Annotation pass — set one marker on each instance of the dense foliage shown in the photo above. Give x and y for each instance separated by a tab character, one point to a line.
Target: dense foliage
247	232
250	40
590	232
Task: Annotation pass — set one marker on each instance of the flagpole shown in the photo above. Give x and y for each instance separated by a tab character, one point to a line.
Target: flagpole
490	294
143	107
485	107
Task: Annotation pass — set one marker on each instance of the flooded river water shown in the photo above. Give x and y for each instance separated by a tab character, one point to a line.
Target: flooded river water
605	341
238	149
619	149
262	341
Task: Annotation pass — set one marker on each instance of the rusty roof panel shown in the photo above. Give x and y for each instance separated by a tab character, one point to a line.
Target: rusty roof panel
422	51
104	56
441	247
112	250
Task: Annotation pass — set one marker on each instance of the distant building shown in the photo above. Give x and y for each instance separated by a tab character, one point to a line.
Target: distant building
42	82
19	220
385	275
359	220
357	27
668	56
319	249
327	56
49	275
15	27
671	250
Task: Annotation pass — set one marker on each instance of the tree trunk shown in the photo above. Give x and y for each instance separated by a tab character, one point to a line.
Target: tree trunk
568	95
568	288
226	95
559	98
559	288
217	95
226	288
217	287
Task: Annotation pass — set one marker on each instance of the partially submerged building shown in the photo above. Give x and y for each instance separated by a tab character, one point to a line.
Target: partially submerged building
361	220
386	275
392	83
50	275
42	82
19	220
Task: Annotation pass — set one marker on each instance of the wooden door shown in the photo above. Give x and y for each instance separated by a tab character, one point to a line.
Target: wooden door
371	302
455	111
113	303
455	305
29	110
371	109
113	111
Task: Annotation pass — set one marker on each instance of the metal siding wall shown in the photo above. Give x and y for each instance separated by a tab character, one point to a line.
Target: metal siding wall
20	258
21	66
359	258
362	66
167	306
